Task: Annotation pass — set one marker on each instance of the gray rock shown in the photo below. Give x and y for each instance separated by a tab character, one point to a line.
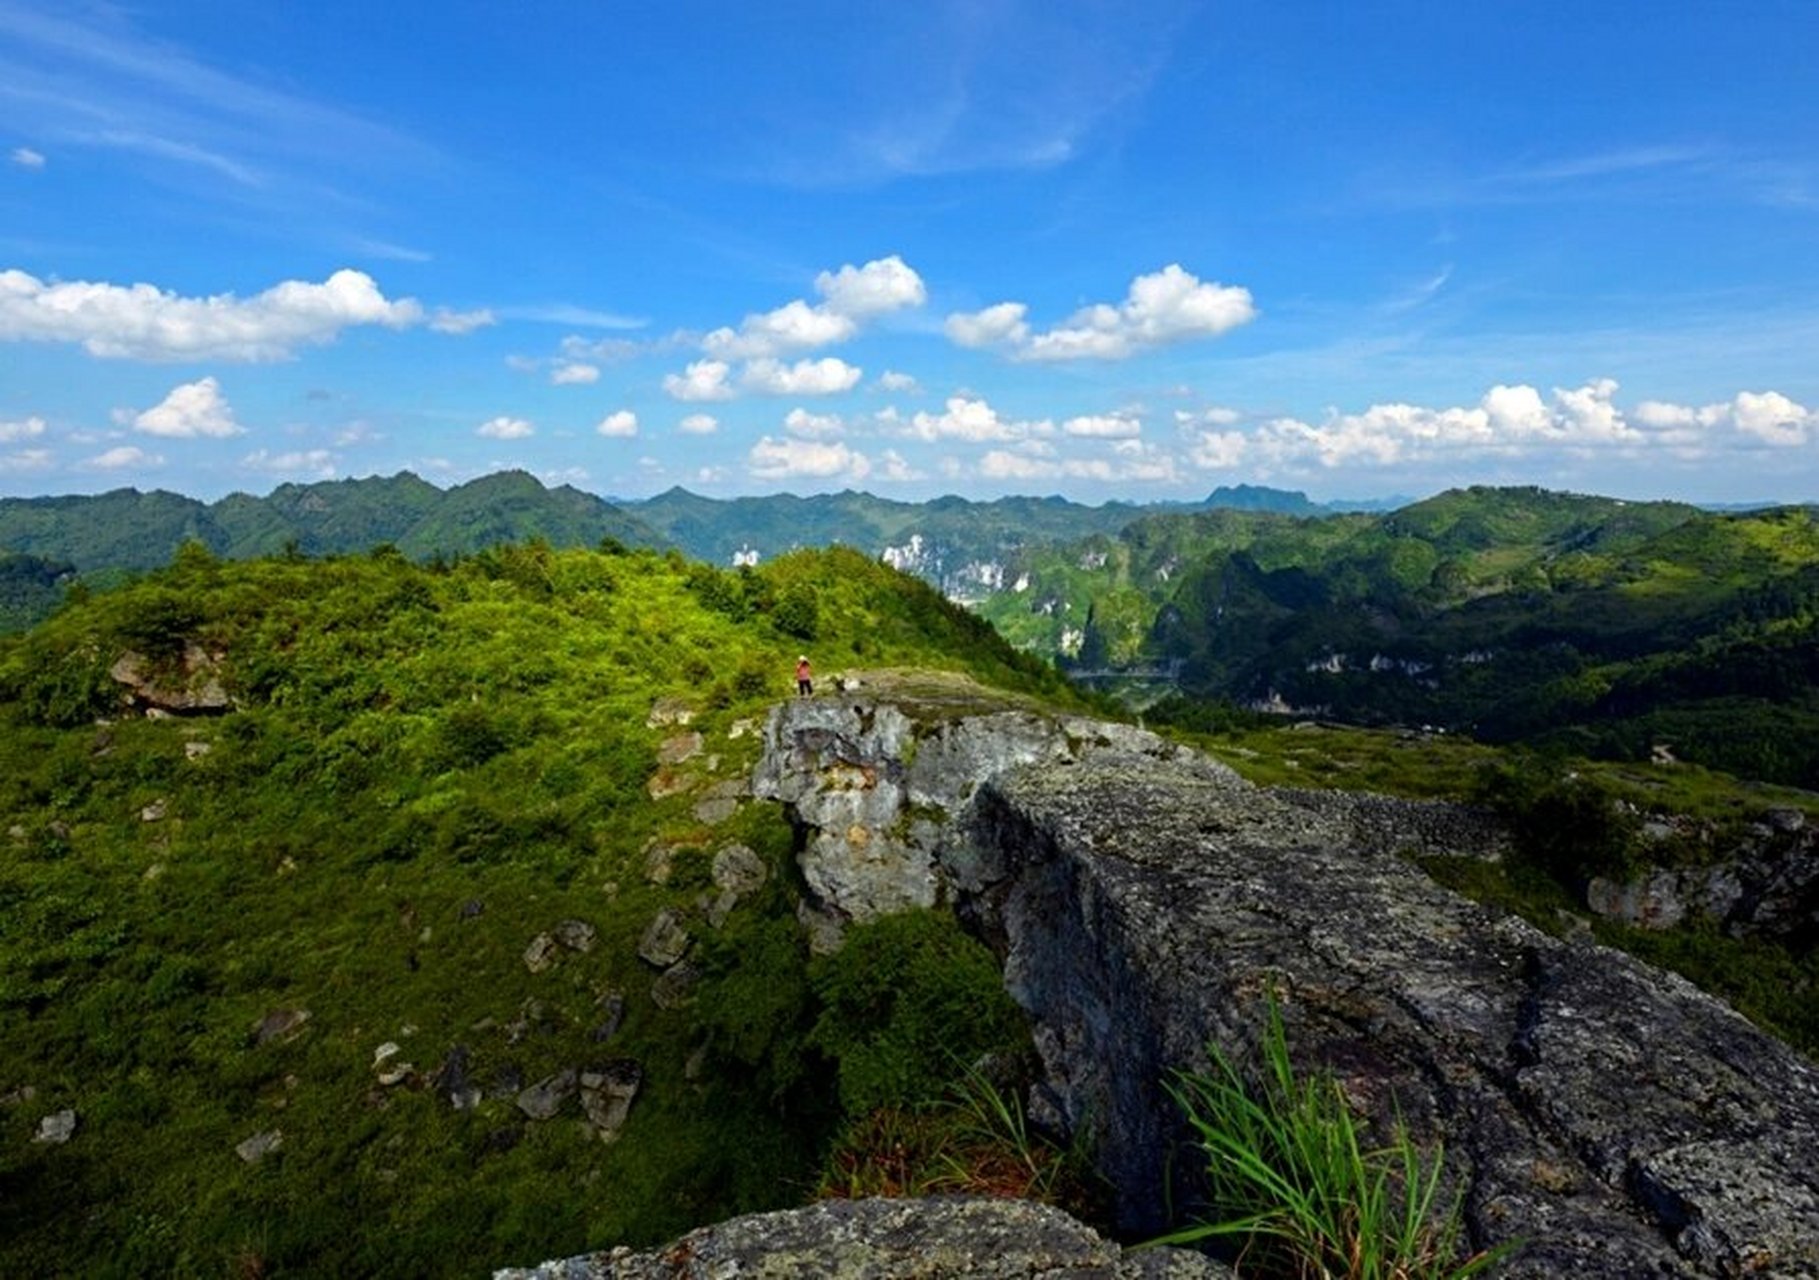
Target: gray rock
1144	900
1653	902
928	1239
544	1099
667	711
675	986
607	1091
280	1024
192	685
541	953
739	870
155	811
451	1083
720	801
196	750
612	1006
57	1128
259	1146
676	749
576	935
665	940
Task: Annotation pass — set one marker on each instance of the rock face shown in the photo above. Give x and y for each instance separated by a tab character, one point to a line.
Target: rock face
1145	901
937	1239
190	686
1767	886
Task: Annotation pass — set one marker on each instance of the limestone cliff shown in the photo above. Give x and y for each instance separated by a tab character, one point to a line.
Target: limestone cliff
1145	901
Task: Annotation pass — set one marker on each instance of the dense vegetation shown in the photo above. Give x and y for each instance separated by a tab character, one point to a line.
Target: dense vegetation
129	530
1603	627
429	768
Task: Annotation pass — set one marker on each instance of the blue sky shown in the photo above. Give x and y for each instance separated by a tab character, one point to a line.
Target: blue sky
1127	250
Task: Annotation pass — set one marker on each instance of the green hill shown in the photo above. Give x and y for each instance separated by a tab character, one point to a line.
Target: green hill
445	807
128	531
1513	614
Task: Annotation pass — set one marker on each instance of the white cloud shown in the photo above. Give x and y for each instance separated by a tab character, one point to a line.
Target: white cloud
815	459
142	322
894	467
1588	414
1217	450
699	424
702	380
457	322
563	475
973	420
824	377
795	326
999	325
317	463
25	460
1131	462
884	285
891	380
573	373
26	158
503	428
123	456
1106	426
619	424
813	426
25	429
1771	417
1166	306
1766	417
192	409
849	296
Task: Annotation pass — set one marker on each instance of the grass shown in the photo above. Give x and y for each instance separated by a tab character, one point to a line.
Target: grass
1293	1185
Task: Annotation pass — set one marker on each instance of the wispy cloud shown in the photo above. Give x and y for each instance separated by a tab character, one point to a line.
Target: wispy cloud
567	313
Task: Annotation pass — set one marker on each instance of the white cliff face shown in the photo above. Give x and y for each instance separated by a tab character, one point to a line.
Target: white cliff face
911	557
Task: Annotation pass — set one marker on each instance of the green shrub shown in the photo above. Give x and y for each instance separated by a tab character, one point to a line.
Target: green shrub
904	1000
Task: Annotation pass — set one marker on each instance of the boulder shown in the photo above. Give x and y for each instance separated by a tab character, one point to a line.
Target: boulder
665	939
680	747
668	711
57	1128
259	1146
541	953
928	1239
544	1099
280	1025
189	685
576	935
738	870
607	1091
675	986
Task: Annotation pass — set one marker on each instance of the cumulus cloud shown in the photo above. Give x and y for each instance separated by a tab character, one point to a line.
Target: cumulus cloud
702	380
973	420
620	424
850	296
192	409
503	428
25	429
141	322
1130	462
813	426
122	457
824	377
458	322
895	468
789	458
699	424
891	380
1167	306
317	463
573	373
1766	417
26	158
1002	324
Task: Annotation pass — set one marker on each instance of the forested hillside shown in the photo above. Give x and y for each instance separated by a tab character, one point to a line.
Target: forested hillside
341	903
1606	626
130	530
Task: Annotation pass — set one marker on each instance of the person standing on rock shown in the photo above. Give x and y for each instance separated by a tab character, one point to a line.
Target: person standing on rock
805	682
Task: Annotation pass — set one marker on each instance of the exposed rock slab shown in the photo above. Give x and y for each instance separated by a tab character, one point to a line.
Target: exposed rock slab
932	1239
1616	1118
190	685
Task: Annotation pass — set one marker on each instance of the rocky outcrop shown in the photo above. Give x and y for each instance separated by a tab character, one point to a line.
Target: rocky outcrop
1146	901
1765	883
189	685
936	1239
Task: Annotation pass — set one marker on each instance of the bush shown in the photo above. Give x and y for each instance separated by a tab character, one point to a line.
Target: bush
1571	826
907	1004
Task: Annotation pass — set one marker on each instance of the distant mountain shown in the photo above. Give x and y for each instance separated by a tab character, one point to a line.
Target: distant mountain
133	531
1609	626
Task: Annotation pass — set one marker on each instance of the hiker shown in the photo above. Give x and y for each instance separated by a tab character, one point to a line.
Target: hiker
805	684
